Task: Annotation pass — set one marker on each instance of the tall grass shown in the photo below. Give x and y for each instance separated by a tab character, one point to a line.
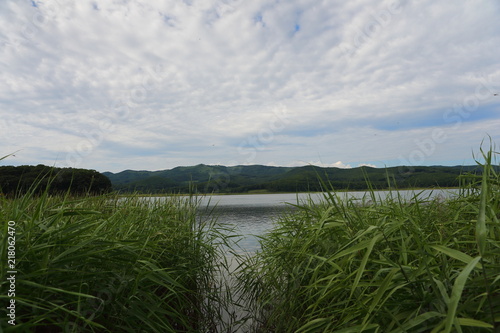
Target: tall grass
394	265
110	264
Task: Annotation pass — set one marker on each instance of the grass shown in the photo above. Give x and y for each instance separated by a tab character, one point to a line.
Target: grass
133	264
110	264
392	265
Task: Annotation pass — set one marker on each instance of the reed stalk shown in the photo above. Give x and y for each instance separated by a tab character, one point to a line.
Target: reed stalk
111	264
422	264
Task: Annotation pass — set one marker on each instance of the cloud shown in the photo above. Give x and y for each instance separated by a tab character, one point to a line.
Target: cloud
159	83
338	164
367	165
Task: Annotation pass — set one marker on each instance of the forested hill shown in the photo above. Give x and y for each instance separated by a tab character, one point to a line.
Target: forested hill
258	178
40	178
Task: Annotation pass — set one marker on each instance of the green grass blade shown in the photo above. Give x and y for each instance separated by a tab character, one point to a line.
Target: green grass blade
380	292
455	254
409	325
359	246
315	325
58	290
456	294
481	230
357	329
473	323
362	265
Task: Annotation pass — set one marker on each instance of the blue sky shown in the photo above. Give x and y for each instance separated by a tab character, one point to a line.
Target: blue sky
151	85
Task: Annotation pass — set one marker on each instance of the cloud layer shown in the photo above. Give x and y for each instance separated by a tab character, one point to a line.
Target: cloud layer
155	84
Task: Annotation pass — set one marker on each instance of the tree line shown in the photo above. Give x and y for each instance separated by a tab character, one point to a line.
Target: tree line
243	179
41	178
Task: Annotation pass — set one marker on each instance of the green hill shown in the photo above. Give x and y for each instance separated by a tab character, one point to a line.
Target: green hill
40	178
248	178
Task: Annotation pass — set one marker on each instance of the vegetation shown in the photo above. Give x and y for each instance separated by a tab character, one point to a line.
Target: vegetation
113	264
35	179
383	266
251	178
109	264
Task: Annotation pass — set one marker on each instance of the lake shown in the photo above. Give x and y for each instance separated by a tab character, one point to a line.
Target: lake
254	214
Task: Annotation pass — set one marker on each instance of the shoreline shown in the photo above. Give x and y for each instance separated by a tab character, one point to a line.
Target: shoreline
265	192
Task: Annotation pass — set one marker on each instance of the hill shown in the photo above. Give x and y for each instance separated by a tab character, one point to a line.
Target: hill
28	178
248	178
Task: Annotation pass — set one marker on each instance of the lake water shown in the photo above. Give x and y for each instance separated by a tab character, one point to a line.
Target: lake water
254	214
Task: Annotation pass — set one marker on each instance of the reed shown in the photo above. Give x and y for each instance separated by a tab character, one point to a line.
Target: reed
132	264
111	264
392	265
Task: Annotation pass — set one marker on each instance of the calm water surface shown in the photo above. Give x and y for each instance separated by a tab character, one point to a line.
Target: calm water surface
254	214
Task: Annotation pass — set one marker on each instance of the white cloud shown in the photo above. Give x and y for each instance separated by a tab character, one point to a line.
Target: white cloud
338	164
367	164
174	78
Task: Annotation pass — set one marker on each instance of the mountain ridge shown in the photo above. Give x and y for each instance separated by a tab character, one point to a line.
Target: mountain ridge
203	178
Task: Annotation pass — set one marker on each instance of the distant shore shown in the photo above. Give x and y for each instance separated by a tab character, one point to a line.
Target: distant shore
258	192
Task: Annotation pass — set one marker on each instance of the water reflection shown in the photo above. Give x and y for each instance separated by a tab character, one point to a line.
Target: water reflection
250	222
254	215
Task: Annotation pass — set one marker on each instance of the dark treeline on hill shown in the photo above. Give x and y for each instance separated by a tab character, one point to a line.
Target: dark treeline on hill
40	178
257	178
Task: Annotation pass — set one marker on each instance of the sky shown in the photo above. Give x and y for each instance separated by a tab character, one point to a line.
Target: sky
151	85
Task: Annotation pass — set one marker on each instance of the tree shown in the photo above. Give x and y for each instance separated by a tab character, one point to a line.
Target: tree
21	179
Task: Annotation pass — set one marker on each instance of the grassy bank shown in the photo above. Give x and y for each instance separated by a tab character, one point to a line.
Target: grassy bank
391	266
133	264
109	264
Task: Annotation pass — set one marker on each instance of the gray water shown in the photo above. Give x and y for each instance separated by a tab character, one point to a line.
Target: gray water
253	215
